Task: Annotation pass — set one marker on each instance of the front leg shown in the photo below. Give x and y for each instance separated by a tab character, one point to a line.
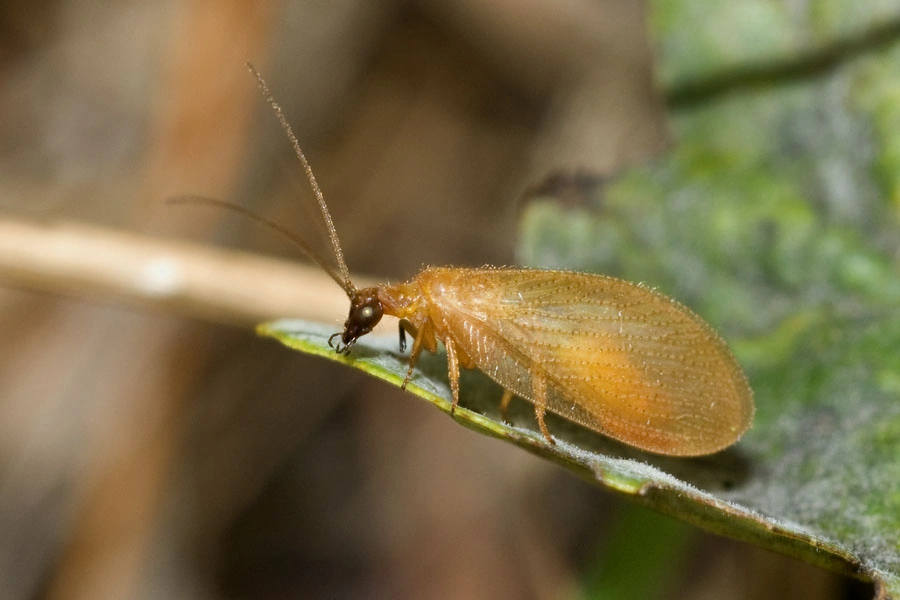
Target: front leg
406	327
424	340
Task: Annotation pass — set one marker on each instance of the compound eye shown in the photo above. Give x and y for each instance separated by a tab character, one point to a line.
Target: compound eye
368	315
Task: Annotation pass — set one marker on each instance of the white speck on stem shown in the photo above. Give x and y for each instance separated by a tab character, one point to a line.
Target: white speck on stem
160	277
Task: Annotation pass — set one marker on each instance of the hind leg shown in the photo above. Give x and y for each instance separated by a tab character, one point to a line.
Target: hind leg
539	389
504	405
452	373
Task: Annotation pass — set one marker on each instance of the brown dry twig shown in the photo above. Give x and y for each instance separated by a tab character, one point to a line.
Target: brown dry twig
217	285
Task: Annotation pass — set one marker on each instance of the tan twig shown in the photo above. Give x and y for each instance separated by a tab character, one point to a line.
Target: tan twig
184	278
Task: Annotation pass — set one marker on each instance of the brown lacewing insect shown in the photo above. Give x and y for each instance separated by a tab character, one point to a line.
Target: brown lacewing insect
615	357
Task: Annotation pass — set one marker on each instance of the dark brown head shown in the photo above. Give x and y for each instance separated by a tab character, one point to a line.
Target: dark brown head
365	313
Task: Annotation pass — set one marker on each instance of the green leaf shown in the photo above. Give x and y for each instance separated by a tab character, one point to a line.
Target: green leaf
698	490
642	556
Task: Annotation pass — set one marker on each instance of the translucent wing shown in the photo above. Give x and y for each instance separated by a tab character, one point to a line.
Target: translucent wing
618	358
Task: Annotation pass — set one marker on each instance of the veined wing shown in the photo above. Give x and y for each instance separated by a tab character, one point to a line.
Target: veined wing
617	357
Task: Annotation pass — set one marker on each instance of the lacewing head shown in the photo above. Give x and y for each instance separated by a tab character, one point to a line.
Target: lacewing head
366	311
365	308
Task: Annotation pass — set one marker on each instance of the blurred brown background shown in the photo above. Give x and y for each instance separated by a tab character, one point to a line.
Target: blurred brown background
144	455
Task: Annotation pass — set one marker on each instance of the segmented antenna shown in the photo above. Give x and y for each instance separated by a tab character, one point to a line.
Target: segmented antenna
329	224
287	234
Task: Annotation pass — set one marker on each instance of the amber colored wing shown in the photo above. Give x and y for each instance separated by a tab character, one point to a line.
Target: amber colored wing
618	358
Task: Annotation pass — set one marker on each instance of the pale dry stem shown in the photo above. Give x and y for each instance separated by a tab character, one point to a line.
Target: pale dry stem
217	285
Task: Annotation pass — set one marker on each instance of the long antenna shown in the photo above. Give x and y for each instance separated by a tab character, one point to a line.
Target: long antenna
287	234
332	232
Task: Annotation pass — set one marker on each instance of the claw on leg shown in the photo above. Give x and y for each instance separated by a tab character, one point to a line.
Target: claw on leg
539	413
408	375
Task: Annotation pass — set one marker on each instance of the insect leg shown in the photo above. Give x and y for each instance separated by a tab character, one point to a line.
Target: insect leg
406	327
539	388
452	373
424	337
504	404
